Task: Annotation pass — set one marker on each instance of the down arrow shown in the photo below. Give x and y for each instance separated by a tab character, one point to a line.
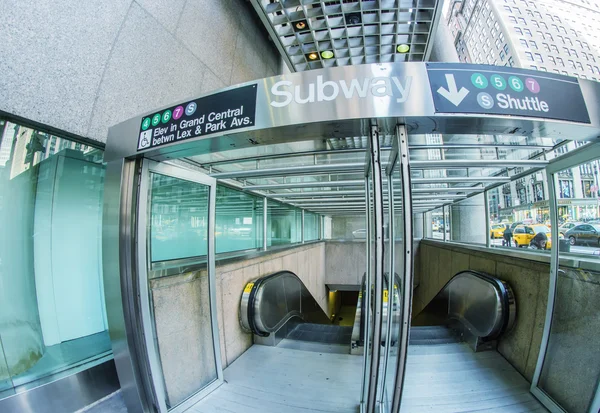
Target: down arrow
454	95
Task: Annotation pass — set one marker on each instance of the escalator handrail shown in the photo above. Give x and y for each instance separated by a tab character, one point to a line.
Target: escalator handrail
508	304
248	305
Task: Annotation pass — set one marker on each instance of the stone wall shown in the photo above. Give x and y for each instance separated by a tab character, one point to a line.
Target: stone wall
437	262
82	66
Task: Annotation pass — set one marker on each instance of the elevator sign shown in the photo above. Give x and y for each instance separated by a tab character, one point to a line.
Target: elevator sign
221	112
500	90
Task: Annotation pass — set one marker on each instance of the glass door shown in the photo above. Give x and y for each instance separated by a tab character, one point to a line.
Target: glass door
567	376
176	267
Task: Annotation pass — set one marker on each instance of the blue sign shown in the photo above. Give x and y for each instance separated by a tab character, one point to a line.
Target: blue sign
501	90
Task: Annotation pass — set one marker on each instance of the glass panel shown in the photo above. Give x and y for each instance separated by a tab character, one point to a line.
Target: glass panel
52	310
437	223
179	218
311	226
571	369
520	215
284	224
239	221
395	289
178	224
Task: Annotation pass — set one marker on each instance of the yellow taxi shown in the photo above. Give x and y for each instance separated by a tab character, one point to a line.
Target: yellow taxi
497	231
523	234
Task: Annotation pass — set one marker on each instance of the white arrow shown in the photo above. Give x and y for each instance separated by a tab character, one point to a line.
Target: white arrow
454	95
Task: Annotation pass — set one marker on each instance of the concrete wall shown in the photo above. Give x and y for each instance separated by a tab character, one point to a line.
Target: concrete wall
345	261
82	66
182	316
437	262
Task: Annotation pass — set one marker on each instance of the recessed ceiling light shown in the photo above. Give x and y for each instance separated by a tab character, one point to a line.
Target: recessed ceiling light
301	25
402	48
327	54
312	56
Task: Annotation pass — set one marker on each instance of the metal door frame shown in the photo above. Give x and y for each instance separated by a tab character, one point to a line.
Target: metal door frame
143	263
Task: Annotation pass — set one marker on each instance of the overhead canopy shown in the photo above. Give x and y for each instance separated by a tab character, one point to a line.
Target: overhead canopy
287	135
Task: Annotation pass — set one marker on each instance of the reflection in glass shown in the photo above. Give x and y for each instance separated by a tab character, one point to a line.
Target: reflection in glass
239	221
311	226
179	218
52	314
284	224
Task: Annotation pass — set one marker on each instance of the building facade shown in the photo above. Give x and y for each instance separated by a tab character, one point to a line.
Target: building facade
550	36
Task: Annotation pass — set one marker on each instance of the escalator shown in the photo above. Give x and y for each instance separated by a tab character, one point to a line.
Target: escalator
473	307
451	362
280	311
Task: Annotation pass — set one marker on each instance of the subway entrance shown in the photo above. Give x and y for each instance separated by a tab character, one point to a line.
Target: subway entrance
206	198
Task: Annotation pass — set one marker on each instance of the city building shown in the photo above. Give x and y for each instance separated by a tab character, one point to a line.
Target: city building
552	36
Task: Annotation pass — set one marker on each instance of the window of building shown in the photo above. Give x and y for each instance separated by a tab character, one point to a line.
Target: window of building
543	69
540	34
511	61
512	19
552	60
523	42
546	47
529	56
521	20
538	58
572	64
566	50
565	188
579	65
534	67
527	32
518	30
506	48
560	61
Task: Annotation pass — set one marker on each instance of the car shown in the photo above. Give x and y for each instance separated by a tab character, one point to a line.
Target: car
514	225
523	234
497	231
584	234
567	226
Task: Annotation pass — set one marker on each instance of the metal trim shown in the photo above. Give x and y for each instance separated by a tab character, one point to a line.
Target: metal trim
379	256
391	281
366	315
143	263
487	219
265	227
407	212
289	170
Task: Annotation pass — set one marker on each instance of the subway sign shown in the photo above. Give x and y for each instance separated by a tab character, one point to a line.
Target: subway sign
500	90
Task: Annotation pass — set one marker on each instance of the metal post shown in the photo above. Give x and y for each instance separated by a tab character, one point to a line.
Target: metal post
487	218
265	217
445	220
367	297
379	262
302	235
407	285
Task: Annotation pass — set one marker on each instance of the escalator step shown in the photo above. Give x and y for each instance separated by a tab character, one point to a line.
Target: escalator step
321	333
